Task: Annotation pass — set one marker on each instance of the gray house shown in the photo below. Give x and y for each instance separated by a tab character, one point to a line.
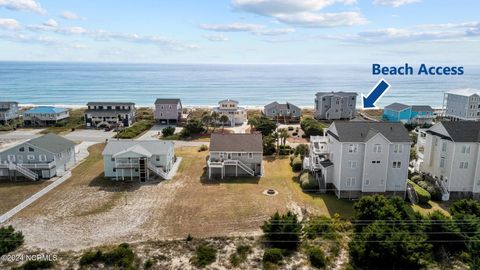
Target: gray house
41	158
8	111
335	105
462	104
107	114
138	160
285	113
233	155
168	110
361	158
45	116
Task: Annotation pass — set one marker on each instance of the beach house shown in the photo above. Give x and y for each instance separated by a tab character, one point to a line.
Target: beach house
236	115
235	155
136	160
356	158
8	111
43	116
451	156
416	114
168	110
41	158
335	105
283	112
462	104
109	114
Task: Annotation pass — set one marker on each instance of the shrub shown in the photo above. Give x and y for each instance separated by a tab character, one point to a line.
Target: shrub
308	182
148	264
135	130
282	231
168	131
273	255
285	150
189	238
9	239
91	257
302	150
36	265
240	256
120	257
269	145
297	164
417	178
316	257
205	255
320	226
423	195
311	127
203	148
192	127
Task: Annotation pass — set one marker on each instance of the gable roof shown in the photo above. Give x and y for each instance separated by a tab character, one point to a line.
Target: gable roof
422	108
398	107
341	93
228	100
109	103
153	147
138	149
282	106
362	131
462	131
168	101
52	142
47	109
464	92
236	142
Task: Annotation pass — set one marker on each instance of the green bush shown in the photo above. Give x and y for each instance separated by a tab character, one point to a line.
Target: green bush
316	257
192	127
240	255
297	164
91	257
423	195
273	255
135	130
148	264
203	148
204	255
285	150
36	265
9	239
302	150
308	182
282	231
168	131
417	178
320	226
120	257
311	127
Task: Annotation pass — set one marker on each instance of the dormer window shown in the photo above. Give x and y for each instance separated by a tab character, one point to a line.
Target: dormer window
21	149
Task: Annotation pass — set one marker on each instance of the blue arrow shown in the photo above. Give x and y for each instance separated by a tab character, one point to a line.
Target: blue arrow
375	94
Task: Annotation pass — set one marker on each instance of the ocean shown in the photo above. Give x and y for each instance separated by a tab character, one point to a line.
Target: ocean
74	84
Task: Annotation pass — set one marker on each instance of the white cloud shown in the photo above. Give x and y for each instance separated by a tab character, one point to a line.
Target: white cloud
217	38
303	13
23	5
68	15
256	29
51	23
394	3
9	24
311	19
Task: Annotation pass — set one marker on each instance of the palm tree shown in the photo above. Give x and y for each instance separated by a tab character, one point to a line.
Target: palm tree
276	135
284	135
214	117
206	119
224	119
252	121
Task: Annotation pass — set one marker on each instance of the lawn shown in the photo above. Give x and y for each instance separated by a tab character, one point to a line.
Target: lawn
13	193
75	121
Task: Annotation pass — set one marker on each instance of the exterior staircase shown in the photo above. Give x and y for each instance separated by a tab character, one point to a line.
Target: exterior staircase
22	170
445	193
412	195
321	183
157	171
245	167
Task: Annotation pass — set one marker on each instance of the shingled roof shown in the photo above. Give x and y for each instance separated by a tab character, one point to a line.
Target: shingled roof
52	143
167	101
422	108
362	131
236	142
463	131
398	107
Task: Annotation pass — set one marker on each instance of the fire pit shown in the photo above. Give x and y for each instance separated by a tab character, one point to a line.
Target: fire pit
270	192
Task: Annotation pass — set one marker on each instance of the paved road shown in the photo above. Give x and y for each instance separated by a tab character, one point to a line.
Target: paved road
20	134
91	135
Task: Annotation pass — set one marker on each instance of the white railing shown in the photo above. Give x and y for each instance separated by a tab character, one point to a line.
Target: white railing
232	162
412	195
245	168
26	172
158	171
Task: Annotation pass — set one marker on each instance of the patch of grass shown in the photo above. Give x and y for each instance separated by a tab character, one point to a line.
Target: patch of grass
9	239
204	255
105	206
75	121
121	257
316	256
145	113
13	193
240	255
36	265
135	130
272	256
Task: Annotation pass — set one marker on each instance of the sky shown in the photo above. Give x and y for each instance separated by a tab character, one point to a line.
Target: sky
393	32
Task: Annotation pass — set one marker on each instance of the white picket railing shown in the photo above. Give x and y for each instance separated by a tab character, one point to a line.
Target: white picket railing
158	171
26	172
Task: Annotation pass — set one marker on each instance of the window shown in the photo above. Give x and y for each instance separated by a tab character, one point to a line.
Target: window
367	182
397	164
444	146
352	164
382	182
466	149
250	155
22	149
463	165
375	161
30	157
350	181
398	148
114	169
353	148
42	158
377	148
442	162
113	159
30	149
11	158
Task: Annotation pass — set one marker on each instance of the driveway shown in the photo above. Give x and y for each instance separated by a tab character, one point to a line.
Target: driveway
19	134
239	129
156	131
90	135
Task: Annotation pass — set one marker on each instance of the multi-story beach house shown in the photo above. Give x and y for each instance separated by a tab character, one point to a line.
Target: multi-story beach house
41	158
335	105
8	111
168	110
416	114
235	155
135	160
462	104
356	158
236	115
452	157
108	114
283	112
43	116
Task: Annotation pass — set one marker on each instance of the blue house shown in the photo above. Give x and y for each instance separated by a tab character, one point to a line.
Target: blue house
43	116
416	114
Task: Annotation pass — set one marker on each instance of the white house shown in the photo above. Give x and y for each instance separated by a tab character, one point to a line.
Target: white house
359	158
462	104
236	115
138	160
335	105
452	156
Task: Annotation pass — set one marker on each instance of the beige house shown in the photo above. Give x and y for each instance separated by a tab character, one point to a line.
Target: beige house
234	155
236	115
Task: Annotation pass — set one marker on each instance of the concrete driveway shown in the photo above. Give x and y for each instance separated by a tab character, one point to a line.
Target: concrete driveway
155	132
20	134
90	135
